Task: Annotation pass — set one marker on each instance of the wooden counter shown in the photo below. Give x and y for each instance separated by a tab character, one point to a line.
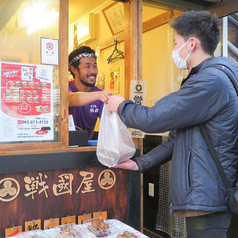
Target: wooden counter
68	182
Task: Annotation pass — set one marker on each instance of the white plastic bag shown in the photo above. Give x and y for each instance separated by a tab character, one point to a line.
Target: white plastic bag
114	140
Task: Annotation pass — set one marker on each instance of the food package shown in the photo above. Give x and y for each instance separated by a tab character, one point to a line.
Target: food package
99	227
70	230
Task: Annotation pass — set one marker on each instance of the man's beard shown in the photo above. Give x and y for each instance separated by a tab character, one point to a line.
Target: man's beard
88	84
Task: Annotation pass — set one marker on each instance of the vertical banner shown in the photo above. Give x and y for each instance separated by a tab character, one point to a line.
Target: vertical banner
114	79
138	94
26	109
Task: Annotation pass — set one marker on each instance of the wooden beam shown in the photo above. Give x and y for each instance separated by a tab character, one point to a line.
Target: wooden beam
223	8
160	20
146	26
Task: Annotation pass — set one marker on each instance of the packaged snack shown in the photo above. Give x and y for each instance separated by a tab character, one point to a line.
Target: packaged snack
99	227
70	230
124	231
127	234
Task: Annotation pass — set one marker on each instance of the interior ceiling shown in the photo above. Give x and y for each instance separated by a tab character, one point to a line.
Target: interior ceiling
183	4
79	8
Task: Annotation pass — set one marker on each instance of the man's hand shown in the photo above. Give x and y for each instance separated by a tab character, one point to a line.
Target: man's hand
114	102
128	164
104	95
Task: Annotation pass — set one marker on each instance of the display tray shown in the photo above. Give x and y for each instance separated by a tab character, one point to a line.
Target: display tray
70	230
91	228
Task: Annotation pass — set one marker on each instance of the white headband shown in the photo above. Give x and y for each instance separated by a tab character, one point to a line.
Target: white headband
83	55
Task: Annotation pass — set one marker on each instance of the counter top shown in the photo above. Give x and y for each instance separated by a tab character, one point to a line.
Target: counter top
55	159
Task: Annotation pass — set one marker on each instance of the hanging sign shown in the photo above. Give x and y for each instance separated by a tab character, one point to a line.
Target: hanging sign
33	225
68	219
138	94
51	223
26	109
83	218
13	231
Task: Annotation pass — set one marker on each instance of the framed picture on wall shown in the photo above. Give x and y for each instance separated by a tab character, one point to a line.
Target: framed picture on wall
114	15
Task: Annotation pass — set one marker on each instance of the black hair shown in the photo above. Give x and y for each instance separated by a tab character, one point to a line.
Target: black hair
199	24
76	52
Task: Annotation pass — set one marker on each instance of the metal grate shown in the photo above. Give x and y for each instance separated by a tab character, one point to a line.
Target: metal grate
173	226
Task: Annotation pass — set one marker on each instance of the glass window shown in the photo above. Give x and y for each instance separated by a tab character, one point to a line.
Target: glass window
29	65
228	46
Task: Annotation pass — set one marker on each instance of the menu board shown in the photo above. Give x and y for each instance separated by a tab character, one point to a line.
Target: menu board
26	109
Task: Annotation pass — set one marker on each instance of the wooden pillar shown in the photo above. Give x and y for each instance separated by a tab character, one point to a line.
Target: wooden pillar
133	43
63	36
133	48
133	59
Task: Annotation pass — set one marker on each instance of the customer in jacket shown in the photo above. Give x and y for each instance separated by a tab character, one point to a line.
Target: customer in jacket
206	96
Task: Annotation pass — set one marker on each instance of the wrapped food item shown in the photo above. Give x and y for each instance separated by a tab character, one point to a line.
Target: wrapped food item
99	227
70	230
129	235
124	231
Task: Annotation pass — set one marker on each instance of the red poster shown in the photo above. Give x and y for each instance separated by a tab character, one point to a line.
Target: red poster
26	99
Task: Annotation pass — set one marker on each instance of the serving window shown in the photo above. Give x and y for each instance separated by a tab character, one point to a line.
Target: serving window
33	64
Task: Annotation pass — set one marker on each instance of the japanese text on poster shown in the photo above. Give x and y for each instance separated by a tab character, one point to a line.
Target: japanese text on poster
26	102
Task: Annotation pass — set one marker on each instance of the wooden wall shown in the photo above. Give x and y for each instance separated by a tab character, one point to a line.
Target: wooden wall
46	192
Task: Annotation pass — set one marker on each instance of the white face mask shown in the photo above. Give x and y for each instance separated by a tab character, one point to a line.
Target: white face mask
179	62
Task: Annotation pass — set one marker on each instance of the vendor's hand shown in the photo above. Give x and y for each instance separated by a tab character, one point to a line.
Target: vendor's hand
128	164
104	95
114	102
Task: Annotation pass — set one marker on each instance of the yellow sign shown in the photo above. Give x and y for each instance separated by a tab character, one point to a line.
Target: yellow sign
100	214
13	231
51	223
82	218
67	220
33	225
